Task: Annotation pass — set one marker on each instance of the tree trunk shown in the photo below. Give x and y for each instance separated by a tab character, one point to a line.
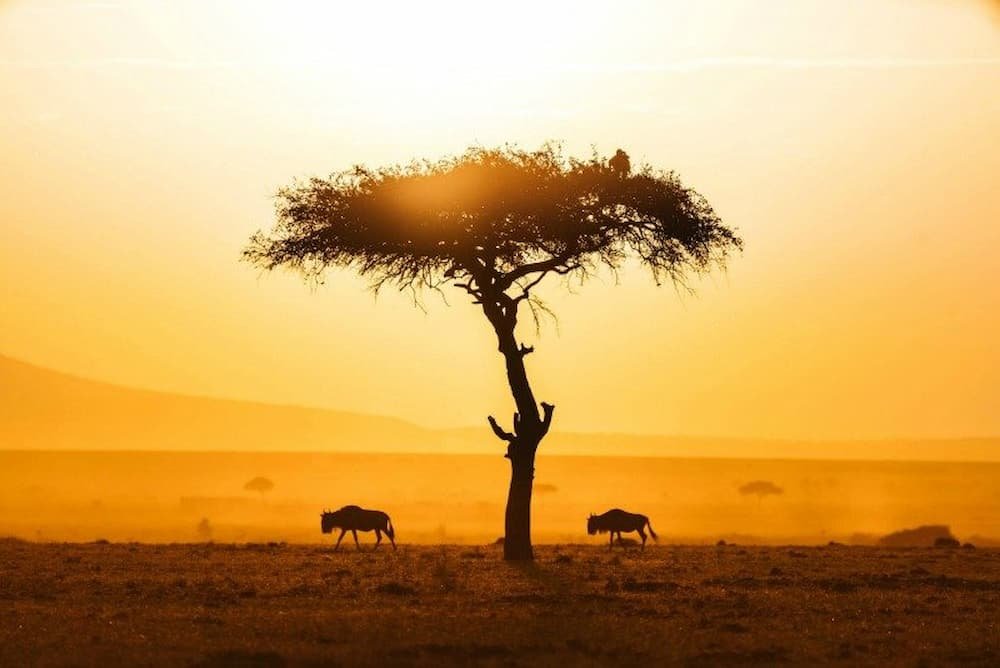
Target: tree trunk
530	427
517	521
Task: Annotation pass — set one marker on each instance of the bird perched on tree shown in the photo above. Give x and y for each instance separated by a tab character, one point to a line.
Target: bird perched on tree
620	164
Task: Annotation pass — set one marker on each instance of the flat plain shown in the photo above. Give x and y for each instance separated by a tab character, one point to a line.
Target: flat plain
83	604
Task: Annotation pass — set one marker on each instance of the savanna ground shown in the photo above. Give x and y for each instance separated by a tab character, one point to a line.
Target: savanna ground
276	604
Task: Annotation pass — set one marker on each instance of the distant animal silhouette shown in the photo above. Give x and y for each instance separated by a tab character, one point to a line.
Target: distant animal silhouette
355	519
620	164
617	520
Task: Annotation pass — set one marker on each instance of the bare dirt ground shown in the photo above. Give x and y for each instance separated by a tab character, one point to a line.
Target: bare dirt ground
275	605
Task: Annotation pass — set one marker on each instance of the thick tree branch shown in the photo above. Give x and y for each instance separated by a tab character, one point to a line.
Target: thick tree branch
543	266
498	430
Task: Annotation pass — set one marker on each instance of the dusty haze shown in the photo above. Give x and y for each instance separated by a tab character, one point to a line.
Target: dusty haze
459	498
54	486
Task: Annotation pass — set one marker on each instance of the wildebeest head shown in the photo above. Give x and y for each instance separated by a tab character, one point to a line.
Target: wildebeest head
328	520
592	524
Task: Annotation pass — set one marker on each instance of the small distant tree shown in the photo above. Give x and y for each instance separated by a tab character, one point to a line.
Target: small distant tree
260	485
495	223
205	529
760	489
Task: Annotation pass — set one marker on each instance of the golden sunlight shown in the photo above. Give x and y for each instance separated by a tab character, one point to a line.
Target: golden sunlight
722	267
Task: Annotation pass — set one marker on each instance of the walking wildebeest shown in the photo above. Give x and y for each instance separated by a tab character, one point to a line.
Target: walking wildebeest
617	520
355	519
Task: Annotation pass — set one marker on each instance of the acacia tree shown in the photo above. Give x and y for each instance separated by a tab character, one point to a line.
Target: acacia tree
261	485
760	489
495	222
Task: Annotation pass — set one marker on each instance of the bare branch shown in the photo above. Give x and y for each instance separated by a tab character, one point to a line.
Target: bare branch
547	409
526	289
500	433
538	310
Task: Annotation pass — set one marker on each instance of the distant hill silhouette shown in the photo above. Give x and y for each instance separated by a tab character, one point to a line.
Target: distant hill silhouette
41	409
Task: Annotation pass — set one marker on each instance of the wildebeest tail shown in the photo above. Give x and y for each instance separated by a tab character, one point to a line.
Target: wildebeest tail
388	529
651	532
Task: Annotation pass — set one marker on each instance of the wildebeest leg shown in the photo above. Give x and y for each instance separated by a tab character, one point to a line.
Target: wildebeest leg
643	535
339	538
392	540
378	539
354	533
611	540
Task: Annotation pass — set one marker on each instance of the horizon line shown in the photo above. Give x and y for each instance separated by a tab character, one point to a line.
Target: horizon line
453	428
460	453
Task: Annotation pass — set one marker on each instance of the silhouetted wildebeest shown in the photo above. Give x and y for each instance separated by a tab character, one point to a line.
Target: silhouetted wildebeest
617	520
355	519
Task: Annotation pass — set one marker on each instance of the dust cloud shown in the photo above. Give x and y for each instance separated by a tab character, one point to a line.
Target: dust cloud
197	497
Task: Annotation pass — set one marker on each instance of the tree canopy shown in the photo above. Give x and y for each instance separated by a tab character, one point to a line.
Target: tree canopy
760	489
492	220
259	484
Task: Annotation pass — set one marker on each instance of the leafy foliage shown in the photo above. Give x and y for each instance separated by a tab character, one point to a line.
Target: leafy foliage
492	219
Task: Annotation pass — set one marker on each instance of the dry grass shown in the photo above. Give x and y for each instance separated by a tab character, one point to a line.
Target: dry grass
276	604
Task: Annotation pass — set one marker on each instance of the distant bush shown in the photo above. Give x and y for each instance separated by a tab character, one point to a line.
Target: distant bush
922	536
260	484
946	542
204	530
760	489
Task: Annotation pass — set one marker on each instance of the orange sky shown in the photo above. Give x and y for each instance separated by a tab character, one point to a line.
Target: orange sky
854	145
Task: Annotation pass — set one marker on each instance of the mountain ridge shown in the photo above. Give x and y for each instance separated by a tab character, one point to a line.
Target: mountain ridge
46	409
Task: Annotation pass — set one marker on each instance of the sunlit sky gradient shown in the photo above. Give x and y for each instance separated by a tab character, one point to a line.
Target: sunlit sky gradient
856	146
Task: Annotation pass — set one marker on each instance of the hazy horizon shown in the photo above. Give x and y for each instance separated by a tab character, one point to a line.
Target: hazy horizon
162	496
144	143
47	410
